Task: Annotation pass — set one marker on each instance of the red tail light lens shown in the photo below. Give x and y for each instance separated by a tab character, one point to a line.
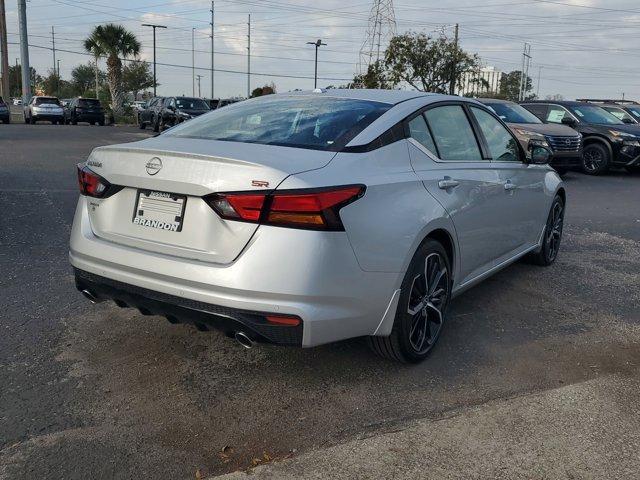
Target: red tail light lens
91	184
315	209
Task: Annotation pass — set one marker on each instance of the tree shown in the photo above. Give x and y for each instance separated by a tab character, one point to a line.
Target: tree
264	90
427	64
376	77
510	86
83	79
113	41
15	80
137	77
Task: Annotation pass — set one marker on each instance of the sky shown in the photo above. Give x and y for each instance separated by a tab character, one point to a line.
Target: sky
579	48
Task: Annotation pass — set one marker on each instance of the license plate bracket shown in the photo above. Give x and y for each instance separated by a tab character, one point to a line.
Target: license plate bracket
159	210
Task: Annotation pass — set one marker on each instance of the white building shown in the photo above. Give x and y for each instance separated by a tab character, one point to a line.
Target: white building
485	80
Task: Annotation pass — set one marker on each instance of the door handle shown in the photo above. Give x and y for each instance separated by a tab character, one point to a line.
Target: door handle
509	186
448	183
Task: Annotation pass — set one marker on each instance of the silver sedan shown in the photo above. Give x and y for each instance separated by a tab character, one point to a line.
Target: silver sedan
311	217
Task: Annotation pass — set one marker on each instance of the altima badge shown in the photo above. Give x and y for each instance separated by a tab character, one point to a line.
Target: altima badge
153	166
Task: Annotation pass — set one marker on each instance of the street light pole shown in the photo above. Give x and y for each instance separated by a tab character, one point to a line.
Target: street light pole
318	43
154	51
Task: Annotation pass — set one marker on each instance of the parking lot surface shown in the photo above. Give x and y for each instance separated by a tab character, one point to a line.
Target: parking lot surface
94	391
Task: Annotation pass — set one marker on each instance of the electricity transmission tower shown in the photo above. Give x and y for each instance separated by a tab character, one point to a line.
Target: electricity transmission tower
381	28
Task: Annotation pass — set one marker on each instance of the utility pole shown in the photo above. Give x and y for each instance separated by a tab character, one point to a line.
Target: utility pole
24	51
53	47
212	69
454	64
539	78
318	43
524	77
249	57
154	51
193	61
199	77
4	55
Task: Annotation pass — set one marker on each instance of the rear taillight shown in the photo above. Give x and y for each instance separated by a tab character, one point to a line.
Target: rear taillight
91	184
315	209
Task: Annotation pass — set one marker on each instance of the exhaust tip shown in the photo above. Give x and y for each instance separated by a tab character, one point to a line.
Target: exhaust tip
244	340
90	296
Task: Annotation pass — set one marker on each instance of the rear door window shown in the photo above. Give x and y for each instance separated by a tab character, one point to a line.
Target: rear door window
419	131
452	134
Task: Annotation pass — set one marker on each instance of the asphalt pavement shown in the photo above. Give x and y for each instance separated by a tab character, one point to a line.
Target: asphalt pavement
94	391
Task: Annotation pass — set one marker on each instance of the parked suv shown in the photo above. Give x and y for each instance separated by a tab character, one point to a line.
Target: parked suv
628	112
149	115
5	114
85	110
178	109
608	141
563	141
44	108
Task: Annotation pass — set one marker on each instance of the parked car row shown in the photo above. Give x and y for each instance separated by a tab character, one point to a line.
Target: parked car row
164	112
587	133
69	111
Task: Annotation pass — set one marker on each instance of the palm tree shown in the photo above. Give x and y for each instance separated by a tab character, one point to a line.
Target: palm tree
113	41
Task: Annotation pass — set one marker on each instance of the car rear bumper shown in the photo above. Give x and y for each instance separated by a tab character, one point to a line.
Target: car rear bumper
89	117
312	275
183	310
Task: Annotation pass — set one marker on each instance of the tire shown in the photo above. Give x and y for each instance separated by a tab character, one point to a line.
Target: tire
156	124
141	124
419	320
595	159
32	121
552	235
74	121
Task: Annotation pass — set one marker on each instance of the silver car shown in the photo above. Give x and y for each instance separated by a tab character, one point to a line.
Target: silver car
44	108
307	218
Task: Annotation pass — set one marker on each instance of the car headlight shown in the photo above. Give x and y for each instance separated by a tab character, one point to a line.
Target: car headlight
623	135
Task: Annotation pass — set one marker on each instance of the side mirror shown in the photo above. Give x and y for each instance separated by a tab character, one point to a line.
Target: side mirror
568	121
540	155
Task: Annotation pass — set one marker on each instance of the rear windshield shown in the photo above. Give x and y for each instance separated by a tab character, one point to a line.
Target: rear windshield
47	100
191	104
513	113
320	123
88	102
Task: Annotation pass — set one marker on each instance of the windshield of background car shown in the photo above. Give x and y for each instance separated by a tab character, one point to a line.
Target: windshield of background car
88	103
320	123
619	113
635	111
191	104
593	114
47	101
512	113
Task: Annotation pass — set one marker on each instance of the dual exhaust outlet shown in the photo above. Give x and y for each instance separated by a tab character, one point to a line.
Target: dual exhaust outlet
241	337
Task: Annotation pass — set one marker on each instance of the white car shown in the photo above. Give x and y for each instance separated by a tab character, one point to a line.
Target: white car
17	101
307	218
44	108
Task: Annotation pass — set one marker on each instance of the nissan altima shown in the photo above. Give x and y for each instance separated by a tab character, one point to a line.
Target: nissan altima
306	218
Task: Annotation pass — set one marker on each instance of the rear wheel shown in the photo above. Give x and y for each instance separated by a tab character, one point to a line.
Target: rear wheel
595	159
141	124
32	120
156	124
422	306
552	235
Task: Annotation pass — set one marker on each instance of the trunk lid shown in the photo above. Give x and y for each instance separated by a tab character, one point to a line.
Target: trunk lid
189	169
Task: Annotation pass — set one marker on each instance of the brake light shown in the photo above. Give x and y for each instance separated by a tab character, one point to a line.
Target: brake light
91	184
315	209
